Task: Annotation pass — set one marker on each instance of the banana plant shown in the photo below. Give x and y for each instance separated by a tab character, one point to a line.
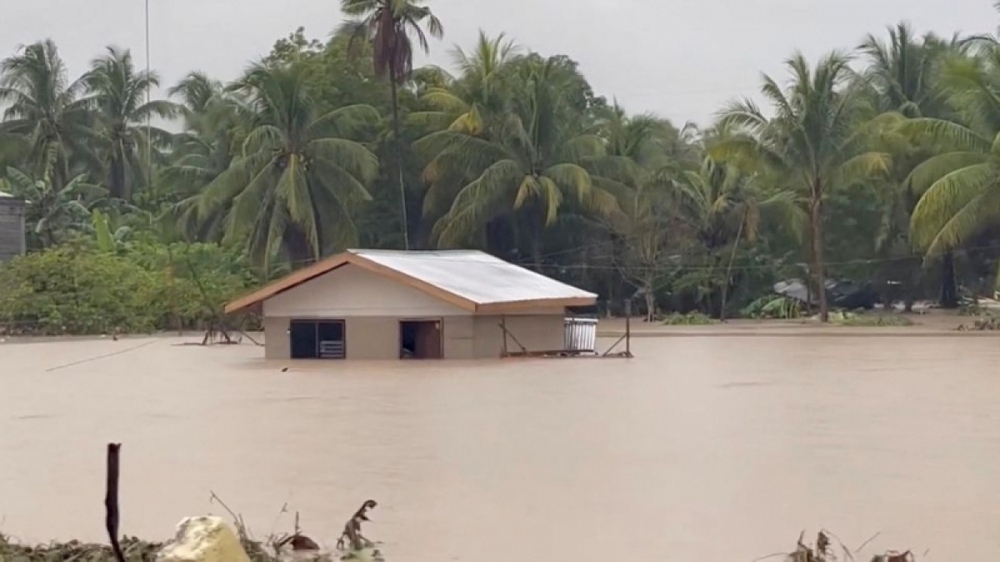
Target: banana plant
109	239
51	212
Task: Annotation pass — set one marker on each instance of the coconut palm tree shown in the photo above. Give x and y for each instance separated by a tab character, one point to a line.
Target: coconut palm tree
388	25
903	72
45	108
644	236
479	90
123	133
811	142
725	207
529	168
644	154
205	148
292	189
475	102
960	192
904	75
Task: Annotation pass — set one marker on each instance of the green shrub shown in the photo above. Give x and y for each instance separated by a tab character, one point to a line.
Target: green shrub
67	291
868	320
689	319
81	290
194	281
773	307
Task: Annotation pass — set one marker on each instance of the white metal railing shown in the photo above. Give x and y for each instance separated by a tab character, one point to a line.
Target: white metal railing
580	334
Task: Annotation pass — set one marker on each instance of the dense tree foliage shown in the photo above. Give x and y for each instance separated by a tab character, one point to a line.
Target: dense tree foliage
878	164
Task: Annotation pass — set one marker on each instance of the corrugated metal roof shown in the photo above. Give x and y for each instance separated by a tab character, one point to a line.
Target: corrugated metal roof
474	275
469	279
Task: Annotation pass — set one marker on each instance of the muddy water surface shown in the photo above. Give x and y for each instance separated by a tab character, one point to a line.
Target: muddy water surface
718	448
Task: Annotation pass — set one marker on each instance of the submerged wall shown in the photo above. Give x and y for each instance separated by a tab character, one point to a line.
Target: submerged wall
464	337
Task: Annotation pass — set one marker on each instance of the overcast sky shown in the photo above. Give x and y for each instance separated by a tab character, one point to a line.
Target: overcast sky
680	58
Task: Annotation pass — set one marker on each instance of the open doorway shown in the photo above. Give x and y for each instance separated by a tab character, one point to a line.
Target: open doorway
420	339
312	339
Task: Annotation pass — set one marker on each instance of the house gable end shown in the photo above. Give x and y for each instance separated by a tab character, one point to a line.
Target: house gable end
355	290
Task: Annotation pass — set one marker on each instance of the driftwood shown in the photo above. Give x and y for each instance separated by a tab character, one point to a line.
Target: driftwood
352	529
983	324
111	518
893	556
296	540
824	551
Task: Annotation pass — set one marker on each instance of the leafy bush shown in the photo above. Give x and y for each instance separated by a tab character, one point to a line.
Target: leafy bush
194	280
773	307
66	291
80	290
868	320
690	319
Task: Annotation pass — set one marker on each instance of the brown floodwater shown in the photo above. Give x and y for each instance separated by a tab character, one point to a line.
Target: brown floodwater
708	448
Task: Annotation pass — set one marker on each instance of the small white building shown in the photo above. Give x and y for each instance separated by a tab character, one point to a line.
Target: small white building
378	304
11	227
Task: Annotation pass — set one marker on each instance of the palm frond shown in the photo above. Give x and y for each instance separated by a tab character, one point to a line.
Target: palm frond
353	157
478	201
943	135
936	167
945	198
973	217
863	167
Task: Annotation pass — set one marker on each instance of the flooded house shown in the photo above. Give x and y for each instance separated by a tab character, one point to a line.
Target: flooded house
380	304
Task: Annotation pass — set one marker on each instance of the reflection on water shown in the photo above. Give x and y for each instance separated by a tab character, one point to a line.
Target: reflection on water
714	448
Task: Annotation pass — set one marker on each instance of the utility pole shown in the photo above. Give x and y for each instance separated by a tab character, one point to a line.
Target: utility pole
149	125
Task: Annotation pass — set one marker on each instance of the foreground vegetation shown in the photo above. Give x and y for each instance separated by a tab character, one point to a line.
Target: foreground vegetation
877	163
135	550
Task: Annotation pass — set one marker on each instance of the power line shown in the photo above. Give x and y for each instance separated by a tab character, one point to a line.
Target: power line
680	267
149	117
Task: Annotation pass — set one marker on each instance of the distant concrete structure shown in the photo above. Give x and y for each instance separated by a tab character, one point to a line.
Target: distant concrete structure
11	227
380	304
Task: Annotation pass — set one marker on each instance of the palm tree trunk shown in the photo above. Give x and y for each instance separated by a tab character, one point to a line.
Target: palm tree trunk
949	291
819	263
117	179
300	251
398	143
729	269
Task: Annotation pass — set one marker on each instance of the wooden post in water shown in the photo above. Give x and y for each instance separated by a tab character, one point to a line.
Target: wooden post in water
503	326
111	518
628	328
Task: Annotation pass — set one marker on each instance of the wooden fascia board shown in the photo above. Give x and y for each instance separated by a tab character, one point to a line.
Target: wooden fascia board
289	281
519	306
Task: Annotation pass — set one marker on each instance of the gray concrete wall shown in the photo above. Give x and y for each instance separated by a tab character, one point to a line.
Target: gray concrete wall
535	332
11	228
459	337
372	337
465	337
276	342
365	337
